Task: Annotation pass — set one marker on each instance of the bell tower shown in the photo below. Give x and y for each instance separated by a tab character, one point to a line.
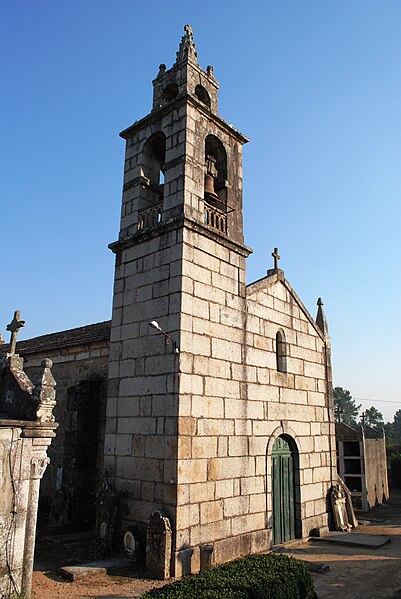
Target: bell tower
183	159
180	263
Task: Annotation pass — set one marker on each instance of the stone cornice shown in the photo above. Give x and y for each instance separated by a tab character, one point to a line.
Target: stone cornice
234	246
157	115
178	223
31	428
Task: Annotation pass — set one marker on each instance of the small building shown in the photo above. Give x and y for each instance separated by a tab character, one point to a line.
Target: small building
362	464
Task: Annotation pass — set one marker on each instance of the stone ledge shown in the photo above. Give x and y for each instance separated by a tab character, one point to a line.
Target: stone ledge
354	539
72	573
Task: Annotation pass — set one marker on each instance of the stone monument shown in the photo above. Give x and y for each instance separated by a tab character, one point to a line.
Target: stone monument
27	426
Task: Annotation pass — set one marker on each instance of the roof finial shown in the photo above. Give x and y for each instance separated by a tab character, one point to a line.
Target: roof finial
276	257
321	320
187	47
14	327
276	271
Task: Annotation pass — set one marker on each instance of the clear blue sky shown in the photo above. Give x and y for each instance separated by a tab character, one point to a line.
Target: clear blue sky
315	85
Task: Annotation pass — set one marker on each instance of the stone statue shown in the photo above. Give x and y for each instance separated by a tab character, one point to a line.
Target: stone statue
338	502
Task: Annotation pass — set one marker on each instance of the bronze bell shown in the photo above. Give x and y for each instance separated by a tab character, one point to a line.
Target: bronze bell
209	188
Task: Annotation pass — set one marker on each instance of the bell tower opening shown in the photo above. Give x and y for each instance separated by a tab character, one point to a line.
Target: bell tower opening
152	175
215	192
202	95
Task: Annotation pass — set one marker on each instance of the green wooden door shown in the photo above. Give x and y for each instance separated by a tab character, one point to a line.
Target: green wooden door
283	491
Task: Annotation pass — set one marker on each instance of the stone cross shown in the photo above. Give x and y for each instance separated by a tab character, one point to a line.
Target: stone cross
14	327
189	32
276	258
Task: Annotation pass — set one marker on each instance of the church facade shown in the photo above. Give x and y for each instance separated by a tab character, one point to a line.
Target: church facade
219	407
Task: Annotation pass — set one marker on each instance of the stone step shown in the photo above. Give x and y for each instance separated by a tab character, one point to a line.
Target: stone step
353	539
105	566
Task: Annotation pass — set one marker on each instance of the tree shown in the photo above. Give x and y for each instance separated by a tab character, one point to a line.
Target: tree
374	418
345	406
393	429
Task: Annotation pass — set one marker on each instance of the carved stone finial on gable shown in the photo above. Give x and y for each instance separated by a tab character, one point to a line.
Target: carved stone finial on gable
275	270
321	320
14	327
44	393
187	47
210	70
162	70
276	258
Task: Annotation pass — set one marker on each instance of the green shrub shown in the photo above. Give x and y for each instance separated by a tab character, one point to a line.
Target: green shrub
269	576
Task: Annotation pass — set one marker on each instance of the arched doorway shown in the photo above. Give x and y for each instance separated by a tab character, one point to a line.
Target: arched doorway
284	459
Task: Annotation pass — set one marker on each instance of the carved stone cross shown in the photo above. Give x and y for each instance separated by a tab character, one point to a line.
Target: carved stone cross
14	327
276	258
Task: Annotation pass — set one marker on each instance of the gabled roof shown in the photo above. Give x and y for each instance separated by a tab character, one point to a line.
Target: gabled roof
345	431
70	338
277	276
372	433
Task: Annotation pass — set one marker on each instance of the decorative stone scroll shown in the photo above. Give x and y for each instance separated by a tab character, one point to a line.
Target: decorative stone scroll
38	466
158	546
44	393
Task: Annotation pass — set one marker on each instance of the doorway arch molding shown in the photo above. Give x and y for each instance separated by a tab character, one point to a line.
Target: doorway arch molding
283	429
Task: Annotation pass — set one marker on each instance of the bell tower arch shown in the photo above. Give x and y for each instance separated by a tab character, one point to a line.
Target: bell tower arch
180	264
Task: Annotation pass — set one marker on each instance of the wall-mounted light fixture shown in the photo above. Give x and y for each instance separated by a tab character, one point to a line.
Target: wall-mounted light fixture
154	324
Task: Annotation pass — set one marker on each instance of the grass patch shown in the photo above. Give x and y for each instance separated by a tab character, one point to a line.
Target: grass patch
269	576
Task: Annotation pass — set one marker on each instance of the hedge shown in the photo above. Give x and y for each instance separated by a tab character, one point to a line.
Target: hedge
271	576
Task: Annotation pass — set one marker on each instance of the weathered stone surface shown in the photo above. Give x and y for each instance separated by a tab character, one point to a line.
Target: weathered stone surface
106	566
353	539
158	546
23	461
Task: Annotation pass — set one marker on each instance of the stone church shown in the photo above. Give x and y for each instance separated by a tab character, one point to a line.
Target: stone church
205	398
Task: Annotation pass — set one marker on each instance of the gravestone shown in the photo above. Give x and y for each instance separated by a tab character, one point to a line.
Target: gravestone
158	546
107	505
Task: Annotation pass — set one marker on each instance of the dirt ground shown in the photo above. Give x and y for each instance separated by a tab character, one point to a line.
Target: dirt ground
354	572
358	572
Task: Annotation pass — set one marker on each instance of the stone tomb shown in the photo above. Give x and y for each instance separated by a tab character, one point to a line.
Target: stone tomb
27	426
